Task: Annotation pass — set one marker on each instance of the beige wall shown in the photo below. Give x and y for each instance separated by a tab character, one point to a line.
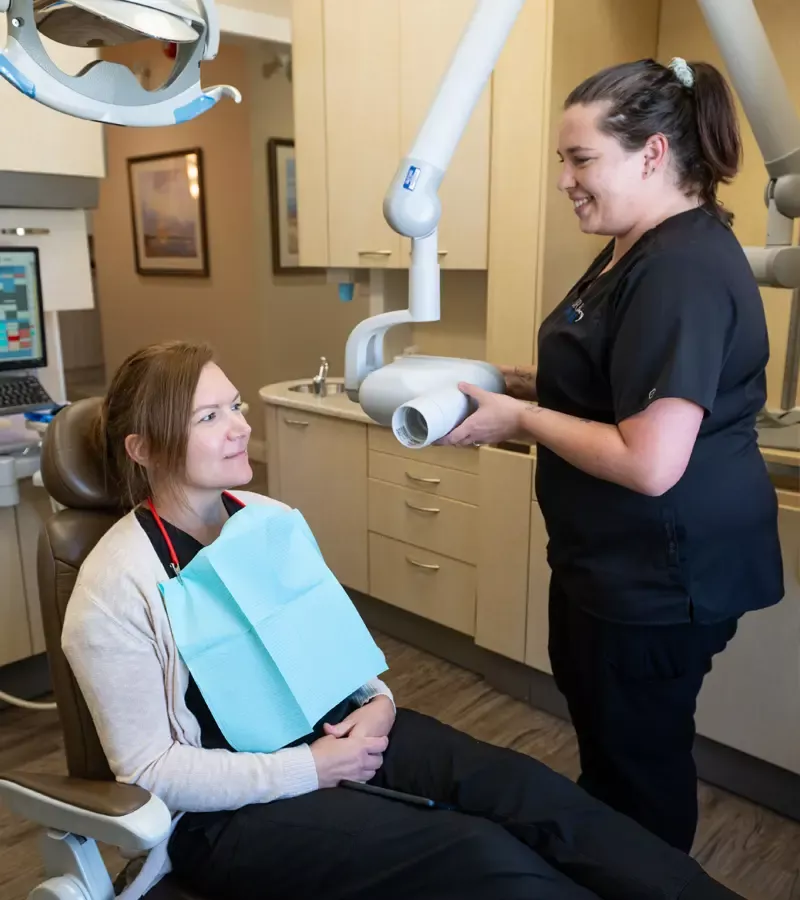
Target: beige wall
683	32
300	317
265	328
587	36
138	310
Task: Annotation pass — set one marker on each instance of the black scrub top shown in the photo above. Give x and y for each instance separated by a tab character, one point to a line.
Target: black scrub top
681	316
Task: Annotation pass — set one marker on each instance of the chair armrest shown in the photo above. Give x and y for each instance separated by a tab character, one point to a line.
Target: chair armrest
121	815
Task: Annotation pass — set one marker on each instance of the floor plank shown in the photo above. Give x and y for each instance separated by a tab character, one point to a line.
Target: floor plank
749	849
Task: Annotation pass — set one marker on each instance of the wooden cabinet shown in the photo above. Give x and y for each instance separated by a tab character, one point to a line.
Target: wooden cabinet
424	528
362	119
426	51
502	553
750	701
15	638
318	465
365	75
537	629
34	131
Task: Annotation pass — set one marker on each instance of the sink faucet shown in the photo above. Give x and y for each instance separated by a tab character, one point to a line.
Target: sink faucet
320	379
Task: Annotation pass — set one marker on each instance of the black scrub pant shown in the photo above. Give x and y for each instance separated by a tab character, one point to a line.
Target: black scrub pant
531	835
632	695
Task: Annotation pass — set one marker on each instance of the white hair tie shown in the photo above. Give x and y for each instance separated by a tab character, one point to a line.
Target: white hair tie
683	71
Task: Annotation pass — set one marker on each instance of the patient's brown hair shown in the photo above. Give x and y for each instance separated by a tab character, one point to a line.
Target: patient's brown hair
150	395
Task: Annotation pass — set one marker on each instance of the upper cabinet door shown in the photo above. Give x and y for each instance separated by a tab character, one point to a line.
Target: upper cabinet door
362	94
42	140
430	33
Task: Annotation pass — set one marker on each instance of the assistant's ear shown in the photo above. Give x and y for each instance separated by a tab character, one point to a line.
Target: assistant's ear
136	449
655	154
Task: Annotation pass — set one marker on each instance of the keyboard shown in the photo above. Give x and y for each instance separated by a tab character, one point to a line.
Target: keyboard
22	393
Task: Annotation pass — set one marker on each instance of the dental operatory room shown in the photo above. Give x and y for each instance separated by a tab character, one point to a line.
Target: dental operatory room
487	314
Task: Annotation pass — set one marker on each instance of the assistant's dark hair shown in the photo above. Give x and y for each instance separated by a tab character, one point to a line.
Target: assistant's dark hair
699	121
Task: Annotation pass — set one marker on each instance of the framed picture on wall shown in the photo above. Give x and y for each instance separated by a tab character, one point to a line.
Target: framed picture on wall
283	210
168	210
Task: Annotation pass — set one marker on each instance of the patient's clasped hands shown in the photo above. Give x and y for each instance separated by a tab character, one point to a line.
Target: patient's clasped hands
353	749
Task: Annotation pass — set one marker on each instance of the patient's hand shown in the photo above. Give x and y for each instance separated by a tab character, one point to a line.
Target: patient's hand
374	719
356	759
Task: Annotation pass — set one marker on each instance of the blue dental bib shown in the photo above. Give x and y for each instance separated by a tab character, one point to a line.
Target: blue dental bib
268	633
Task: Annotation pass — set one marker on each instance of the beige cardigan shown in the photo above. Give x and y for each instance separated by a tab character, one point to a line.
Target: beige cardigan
118	642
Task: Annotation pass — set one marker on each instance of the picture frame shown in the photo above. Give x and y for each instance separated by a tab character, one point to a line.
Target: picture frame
168	211
283	211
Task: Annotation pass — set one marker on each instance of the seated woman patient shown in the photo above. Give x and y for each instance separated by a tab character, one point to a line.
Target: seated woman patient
279	824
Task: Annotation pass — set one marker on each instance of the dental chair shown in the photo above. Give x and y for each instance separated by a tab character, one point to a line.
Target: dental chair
88	805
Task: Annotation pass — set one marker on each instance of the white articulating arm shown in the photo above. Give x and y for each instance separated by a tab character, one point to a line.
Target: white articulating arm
412	207
768	106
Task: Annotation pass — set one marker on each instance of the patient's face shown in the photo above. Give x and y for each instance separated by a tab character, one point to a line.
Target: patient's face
604	181
216	455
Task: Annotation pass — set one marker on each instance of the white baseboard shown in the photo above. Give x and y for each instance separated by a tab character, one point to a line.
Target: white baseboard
257	450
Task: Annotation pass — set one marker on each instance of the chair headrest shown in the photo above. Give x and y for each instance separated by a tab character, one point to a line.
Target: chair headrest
72	470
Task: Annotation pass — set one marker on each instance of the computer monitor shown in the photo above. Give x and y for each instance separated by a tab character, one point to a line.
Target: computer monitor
22	335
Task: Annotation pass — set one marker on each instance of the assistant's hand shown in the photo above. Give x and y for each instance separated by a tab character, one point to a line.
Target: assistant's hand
496	419
351	759
374	719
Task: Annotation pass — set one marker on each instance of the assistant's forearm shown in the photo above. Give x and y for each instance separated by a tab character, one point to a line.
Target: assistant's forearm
594	447
521	382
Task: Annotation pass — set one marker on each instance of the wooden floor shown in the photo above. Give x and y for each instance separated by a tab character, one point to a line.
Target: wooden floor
752	851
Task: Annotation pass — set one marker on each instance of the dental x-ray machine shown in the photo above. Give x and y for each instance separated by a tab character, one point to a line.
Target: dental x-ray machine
416	395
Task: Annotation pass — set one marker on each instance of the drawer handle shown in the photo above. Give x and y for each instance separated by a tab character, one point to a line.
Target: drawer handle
421	480
298	422
443	253
430	567
374	252
431	510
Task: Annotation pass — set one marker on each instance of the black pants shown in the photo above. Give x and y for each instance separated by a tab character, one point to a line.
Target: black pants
531	835
632	694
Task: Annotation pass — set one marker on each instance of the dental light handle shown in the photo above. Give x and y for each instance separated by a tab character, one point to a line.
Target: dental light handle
412	206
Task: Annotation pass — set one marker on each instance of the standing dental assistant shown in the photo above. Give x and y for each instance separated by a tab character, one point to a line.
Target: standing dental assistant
661	518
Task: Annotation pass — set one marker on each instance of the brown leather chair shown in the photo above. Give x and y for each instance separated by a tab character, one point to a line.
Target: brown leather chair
87	805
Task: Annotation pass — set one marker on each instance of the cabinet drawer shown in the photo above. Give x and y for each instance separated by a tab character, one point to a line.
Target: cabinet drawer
424	583
465	459
421	476
444	526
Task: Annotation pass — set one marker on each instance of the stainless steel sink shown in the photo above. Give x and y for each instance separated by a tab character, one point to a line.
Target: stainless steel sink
321	390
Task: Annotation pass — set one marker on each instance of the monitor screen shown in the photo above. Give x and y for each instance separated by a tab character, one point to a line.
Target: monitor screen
22	338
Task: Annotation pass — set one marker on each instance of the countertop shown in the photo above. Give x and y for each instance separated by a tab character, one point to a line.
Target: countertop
342	407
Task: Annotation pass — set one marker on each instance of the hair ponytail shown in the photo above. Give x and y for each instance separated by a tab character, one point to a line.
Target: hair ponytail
717	131
689	103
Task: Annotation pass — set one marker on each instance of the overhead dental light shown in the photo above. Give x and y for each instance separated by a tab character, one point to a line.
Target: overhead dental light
106	91
418	395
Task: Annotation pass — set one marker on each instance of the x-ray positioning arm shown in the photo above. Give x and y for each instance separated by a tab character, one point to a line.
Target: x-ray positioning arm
412	207
756	77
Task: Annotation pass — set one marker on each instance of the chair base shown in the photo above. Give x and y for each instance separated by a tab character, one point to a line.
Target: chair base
75	868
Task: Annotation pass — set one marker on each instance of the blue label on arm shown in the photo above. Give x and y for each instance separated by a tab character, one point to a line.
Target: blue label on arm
192	110
412	176
13	76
